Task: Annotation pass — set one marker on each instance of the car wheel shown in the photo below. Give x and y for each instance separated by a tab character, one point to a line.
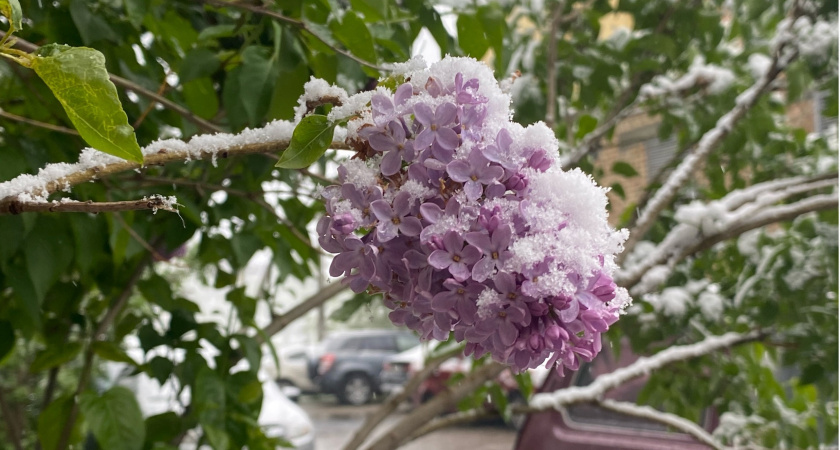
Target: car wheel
356	389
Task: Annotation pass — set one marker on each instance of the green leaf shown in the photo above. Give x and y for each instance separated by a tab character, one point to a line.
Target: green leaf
199	62
201	98
78	78
373	10
586	124
619	190
251	349
255	82
209	404
51	423
115	419
111	352
163	427
354	34
7	339
625	169
136	11
161	368
92	26
55	356
310	140
245	305
471	36
11	10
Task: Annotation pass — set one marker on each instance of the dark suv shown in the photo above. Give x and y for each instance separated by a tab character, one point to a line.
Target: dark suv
350	362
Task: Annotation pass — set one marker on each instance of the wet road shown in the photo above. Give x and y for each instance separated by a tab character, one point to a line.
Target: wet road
335	425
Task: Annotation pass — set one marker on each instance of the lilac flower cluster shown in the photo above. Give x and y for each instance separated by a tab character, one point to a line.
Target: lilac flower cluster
467	225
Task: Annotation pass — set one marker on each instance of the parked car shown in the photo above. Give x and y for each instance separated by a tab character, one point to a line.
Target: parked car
279	416
293	370
590	427
350	362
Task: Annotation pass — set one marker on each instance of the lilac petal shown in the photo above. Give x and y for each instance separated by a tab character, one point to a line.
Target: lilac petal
434	164
423	114
401	204
431	212
459	170
569	314
415	260
470	254
381	104
504	139
444	301
445	114
473	190
495	190
367	268
480	240
491	173
343	263
433	87
447	138
440	259
466	311
404	92
397	131
357	284
492	153
483	269
507	333
382	143
452	241
382	210
424	139
501	238
411	226
459	270
391	163
349	191
386	231
505	282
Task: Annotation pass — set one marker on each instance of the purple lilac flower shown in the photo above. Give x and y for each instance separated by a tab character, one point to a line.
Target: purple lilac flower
474	172
472	246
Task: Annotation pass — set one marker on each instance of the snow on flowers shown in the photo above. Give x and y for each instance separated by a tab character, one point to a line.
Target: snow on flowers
466	223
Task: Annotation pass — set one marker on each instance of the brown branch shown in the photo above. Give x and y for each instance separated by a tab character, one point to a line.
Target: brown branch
153	203
27	46
279	322
457	418
551	65
394	401
37	123
12	425
160	92
293	22
444	401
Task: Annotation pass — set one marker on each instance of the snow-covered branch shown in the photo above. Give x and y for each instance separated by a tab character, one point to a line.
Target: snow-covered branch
92	165
671	420
642	366
703	225
153	203
782	55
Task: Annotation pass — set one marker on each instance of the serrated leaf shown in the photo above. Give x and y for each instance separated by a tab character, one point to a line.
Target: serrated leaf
624	169
11	10
78	78
55	356
310	140
115	419
51	423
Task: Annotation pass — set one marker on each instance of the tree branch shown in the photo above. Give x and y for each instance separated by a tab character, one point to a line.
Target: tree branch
712	139
37	123
470	415
440	403
279	322
394	401
551	64
154	203
12	425
671	420
642	366
27	46
293	22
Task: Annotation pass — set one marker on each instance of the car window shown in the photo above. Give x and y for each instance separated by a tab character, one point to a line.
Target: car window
405	342
380	343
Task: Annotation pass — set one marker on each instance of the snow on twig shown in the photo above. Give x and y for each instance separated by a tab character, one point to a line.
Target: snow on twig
671	420
642	366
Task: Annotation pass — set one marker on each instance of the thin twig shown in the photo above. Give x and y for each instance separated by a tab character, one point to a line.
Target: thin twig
278	323
457	418
671	420
295	23
140	90
157	256
37	123
153	203
160	92
551	64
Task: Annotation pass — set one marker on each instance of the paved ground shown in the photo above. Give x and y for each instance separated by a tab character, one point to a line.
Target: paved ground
335	425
